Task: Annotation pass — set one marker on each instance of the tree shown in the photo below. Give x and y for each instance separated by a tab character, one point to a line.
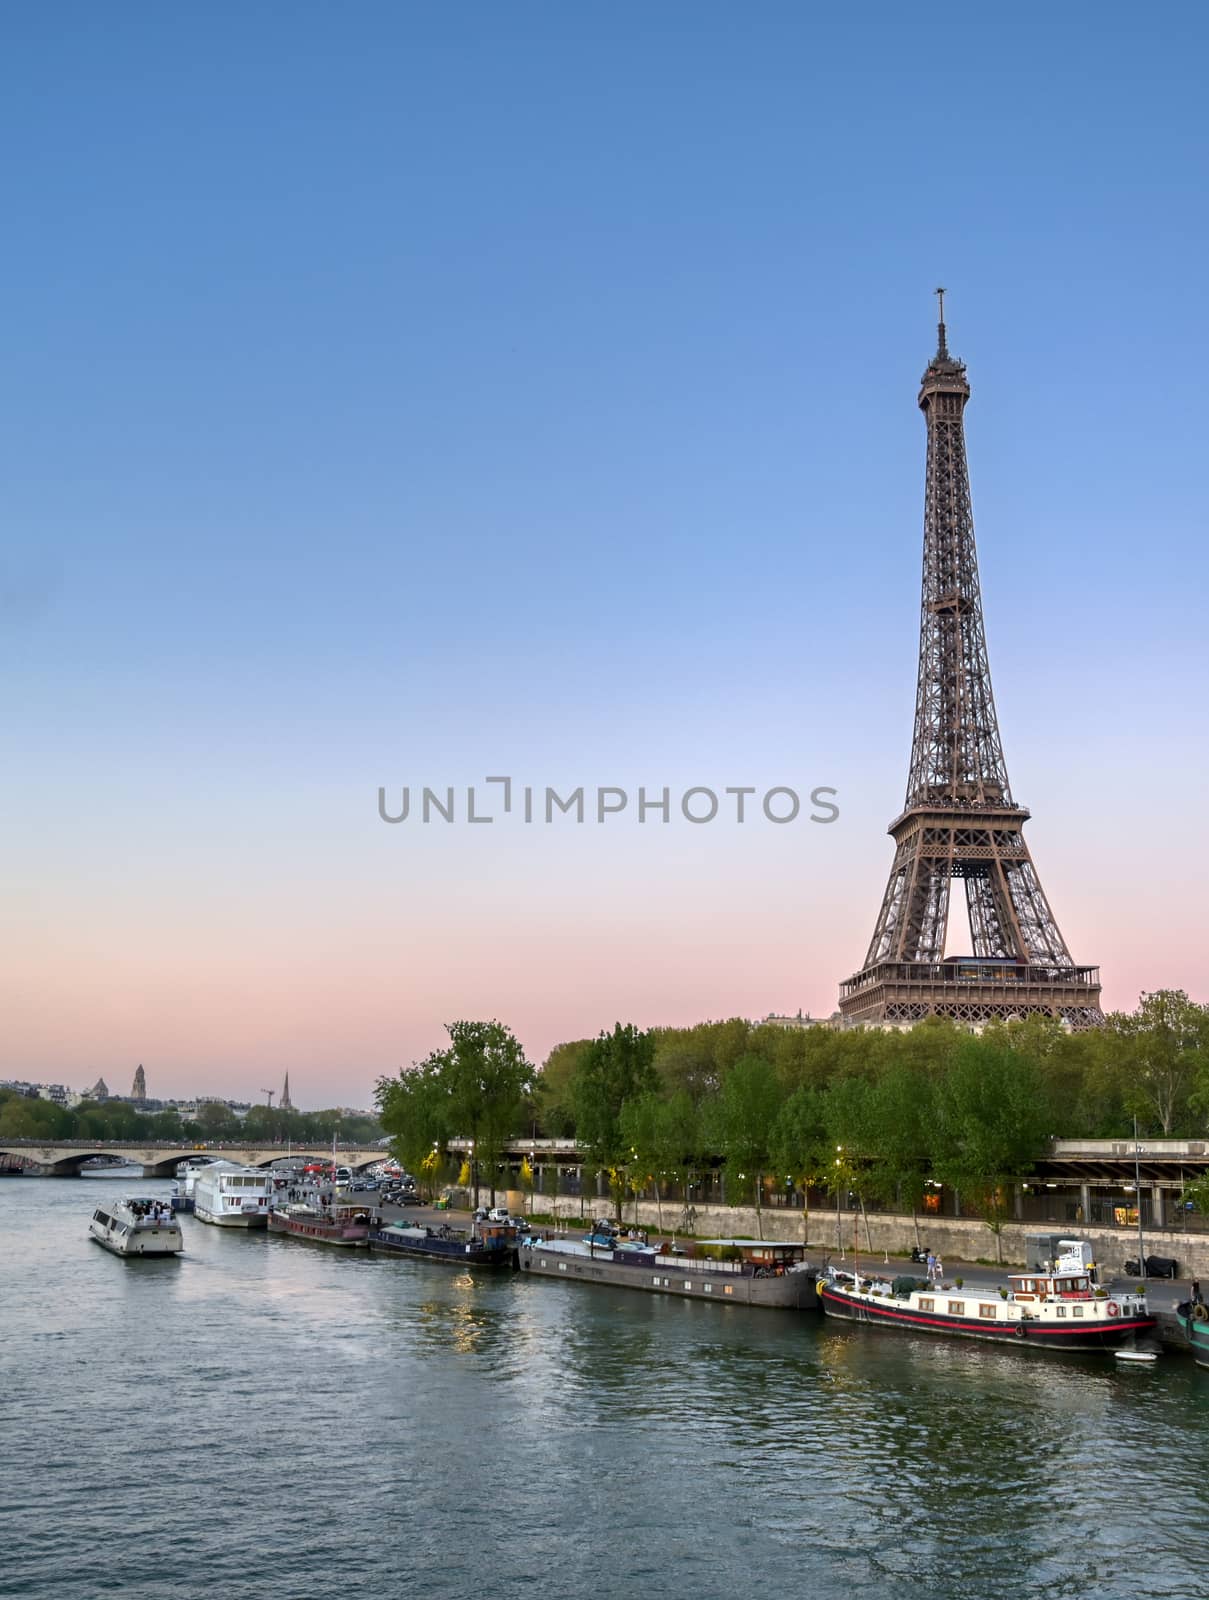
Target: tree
217	1121
616	1071
26	1118
850	1112
1161	1056
474	1089
414	1110
555	1088
489	1080
894	1137
799	1144
661	1134
743	1118
989	1128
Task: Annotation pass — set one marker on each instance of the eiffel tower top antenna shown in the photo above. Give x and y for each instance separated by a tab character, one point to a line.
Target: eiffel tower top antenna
942	349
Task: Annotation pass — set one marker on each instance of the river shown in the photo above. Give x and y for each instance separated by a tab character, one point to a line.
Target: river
271	1419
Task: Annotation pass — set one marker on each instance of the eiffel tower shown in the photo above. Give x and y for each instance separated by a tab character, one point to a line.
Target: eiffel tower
960	820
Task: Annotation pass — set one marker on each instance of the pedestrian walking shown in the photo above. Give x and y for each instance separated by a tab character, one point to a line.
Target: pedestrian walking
931	1266
940	1272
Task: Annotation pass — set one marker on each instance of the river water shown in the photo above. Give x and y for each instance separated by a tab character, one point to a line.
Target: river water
271	1419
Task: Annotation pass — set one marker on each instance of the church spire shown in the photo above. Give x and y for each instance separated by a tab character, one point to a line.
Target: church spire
284	1103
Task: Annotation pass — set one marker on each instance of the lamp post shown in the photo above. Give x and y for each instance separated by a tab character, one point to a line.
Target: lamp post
1137	1195
839	1234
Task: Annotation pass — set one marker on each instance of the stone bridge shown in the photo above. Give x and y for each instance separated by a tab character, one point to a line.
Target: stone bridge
160	1160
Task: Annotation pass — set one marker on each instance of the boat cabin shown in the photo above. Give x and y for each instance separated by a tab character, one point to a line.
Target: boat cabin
1060	1284
765	1258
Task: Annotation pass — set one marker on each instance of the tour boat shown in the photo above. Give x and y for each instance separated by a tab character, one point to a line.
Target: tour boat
756	1272
344	1225
1057	1308
486	1244
1193	1316
137	1227
233	1197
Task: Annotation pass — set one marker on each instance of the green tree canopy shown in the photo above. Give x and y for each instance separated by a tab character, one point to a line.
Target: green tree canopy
618	1070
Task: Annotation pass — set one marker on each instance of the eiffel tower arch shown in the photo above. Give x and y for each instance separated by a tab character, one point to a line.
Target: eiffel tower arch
960	822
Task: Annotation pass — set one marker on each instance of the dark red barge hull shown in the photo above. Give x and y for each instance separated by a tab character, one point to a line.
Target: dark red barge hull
1028	1335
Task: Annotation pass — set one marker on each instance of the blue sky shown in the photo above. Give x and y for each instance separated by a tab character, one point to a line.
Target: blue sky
406	394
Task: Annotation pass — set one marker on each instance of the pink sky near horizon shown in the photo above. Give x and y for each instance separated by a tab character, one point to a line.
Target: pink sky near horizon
557	934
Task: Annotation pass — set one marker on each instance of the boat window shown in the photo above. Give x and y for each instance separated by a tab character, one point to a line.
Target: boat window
989	1312
957	1308
1061	1311
1076	1311
927	1305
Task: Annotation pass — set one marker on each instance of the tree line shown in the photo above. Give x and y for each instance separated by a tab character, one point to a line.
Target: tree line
117	1121
880	1114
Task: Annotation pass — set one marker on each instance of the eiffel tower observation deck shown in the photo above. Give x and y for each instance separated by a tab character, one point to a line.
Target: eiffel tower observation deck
960	821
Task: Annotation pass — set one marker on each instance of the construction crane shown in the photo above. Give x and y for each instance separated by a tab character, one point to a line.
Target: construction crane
270	1093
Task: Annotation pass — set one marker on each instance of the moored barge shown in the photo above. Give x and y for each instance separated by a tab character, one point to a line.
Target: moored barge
1055	1309
486	1244
339	1225
755	1272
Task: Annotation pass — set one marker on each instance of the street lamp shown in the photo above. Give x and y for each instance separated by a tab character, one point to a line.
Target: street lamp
839	1236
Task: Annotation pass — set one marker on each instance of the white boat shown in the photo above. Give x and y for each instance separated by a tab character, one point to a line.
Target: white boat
1055	1307
233	1197
135	1226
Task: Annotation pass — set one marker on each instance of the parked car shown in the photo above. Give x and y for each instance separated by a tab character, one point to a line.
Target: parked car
499	1214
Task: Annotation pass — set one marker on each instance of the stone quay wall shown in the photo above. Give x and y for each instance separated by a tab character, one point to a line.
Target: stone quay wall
953	1238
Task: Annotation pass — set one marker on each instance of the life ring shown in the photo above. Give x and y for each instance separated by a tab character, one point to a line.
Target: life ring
1018	1330
1113	1308
1200	1312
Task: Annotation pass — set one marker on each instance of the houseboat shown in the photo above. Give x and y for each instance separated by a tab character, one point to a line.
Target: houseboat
1056	1307
485	1244
338	1224
137	1227
748	1272
233	1197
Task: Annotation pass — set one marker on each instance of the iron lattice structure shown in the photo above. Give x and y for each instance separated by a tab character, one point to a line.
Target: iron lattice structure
960	821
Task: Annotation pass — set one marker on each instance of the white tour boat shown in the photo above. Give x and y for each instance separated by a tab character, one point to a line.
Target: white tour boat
137	1227
233	1197
1056	1307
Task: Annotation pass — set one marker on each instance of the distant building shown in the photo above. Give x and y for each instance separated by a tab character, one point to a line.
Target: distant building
802	1020
99	1090
284	1102
138	1090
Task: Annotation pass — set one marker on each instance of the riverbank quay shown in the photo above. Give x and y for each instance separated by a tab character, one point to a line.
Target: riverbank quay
877	1233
